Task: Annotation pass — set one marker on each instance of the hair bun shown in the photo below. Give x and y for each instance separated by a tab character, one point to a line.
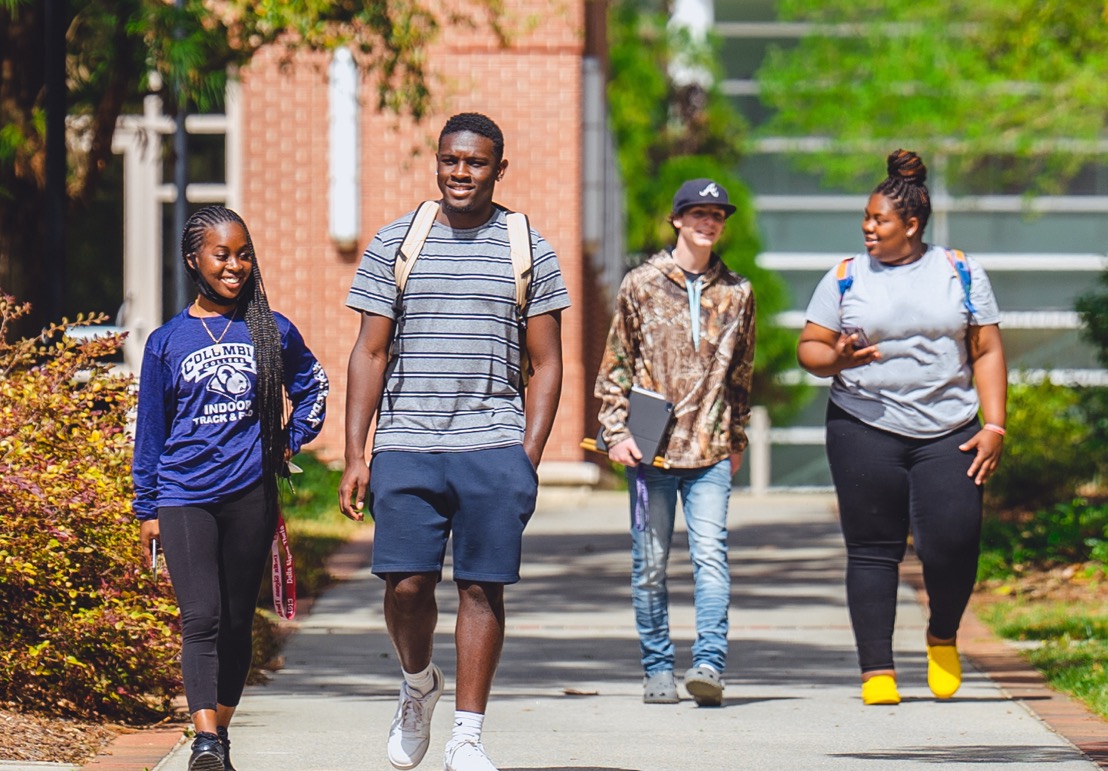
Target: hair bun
907	166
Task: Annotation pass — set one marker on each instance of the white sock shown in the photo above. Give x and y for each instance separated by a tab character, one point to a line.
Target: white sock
421	682
467	725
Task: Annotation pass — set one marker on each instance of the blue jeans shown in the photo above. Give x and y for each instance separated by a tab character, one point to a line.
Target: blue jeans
704	498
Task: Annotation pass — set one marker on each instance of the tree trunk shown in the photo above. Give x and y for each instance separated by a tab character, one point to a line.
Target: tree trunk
22	175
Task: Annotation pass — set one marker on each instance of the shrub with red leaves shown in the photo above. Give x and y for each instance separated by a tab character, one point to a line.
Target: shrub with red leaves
86	629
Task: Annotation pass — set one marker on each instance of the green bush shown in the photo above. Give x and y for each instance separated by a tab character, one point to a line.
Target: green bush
1046	454
1092	405
86	632
1065	533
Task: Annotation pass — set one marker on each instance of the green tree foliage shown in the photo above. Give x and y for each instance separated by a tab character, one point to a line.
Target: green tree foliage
1023	79
87	631
1093	309
114	50
665	135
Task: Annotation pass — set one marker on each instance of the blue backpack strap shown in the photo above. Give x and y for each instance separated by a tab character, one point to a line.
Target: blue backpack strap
844	274
961	268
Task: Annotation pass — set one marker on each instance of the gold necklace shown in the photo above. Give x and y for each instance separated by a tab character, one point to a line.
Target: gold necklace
217	340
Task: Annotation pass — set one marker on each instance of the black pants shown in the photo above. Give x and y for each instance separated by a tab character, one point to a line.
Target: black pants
889	485
216	555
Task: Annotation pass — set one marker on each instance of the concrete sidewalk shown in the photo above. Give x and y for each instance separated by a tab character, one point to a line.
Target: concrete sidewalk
568	691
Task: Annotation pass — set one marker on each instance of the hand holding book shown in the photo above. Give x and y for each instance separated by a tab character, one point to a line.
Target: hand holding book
650	419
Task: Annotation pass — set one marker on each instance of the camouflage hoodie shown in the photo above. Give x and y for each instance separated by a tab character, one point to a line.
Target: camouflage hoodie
650	345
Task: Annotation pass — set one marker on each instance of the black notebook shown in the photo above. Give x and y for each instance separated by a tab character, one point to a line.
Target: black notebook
650	417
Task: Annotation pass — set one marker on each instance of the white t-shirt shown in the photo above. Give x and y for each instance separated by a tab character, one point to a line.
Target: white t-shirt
922	386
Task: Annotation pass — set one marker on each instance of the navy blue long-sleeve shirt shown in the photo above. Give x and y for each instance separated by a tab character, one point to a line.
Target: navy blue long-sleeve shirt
197	437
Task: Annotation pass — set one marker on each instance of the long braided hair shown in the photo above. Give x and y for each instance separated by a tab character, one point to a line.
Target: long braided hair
905	186
270	403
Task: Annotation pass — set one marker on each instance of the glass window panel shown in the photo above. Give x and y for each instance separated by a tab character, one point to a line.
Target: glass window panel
1048	349
207	158
1040	290
746	10
1058	233
810	232
742	56
799	465
801	284
1006	175
776	174
752	109
1091	180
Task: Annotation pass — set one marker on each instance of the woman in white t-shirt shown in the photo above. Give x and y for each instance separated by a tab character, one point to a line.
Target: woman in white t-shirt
909	333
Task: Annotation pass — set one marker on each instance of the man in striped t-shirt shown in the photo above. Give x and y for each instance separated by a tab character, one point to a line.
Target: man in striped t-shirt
456	443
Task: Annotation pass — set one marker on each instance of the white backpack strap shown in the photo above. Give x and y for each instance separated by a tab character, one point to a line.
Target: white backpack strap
519	238
414	239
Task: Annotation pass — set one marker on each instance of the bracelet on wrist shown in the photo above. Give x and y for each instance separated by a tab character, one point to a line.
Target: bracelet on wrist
995	428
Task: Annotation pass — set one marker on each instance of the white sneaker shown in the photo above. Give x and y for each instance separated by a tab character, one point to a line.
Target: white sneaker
466	755
410	733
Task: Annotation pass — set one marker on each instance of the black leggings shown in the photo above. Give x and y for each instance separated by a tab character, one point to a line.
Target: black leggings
216	555
888	485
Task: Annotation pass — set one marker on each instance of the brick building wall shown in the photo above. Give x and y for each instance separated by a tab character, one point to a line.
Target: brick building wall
531	88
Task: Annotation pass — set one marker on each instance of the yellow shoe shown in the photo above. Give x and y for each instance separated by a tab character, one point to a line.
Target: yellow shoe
880	689
944	670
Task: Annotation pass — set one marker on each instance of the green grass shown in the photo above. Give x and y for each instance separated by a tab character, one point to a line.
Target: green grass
316	529
1073	637
316	526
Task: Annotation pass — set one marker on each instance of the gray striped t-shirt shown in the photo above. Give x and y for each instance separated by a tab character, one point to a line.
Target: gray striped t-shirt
453	380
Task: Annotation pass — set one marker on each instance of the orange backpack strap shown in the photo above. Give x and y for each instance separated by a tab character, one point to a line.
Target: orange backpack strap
844	274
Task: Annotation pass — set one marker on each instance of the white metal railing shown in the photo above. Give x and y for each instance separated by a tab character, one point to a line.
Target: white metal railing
762	436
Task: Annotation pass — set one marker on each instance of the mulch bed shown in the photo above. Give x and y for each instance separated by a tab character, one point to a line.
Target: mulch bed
52	740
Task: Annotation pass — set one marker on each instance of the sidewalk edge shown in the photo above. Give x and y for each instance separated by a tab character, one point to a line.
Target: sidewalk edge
1006	667
144	749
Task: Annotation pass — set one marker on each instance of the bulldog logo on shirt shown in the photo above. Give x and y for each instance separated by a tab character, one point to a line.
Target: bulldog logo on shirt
225	370
229	382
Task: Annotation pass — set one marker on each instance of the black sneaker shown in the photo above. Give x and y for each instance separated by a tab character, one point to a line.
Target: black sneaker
207	753
226	742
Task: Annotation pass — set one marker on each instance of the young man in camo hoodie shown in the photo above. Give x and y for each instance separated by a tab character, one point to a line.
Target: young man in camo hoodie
684	327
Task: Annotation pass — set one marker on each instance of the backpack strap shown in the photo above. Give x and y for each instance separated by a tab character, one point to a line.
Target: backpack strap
844	274
519	239
961	267
408	251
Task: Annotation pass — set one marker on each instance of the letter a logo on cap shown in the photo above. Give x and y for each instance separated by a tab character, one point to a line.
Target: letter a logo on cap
711	190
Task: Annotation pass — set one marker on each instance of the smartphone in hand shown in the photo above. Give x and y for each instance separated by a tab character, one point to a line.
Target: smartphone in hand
154	557
862	341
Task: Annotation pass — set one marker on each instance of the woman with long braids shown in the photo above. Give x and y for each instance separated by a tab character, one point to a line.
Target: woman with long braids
909	333
211	439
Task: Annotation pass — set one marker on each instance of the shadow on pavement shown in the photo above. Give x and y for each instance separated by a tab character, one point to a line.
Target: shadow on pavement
979	753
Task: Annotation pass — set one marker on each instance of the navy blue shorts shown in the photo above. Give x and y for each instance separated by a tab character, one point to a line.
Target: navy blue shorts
482	498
